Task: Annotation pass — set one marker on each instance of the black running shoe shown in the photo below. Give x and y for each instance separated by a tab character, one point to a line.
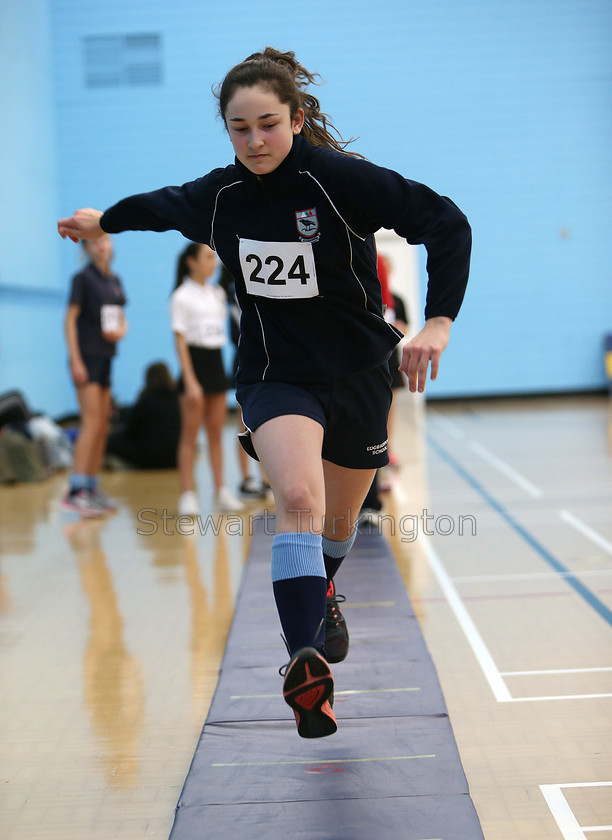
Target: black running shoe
251	489
309	689
83	502
336	633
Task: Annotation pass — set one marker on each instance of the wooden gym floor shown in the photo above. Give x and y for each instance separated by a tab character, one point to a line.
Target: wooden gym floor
112	631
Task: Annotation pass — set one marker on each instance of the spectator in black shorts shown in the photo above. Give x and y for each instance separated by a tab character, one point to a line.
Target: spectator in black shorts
198	310
250	488
94	323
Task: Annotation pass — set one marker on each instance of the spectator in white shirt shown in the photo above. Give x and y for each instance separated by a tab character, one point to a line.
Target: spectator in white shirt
198	310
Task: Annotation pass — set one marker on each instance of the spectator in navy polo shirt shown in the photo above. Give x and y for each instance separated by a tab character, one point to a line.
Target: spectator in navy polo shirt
94	323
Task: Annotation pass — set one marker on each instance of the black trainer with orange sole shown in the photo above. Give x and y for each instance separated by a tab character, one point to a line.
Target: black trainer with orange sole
309	690
336	632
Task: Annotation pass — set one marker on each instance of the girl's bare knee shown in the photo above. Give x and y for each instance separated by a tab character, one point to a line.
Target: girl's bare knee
299	500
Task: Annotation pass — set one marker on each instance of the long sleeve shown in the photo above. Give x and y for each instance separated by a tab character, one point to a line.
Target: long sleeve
188	209
371	197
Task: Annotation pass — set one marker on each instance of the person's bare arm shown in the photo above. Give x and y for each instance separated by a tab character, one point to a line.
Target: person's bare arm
83	224
427	346
77	368
193	389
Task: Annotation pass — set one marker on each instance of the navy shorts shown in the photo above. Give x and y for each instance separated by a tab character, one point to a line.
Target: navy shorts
353	412
209	370
98	369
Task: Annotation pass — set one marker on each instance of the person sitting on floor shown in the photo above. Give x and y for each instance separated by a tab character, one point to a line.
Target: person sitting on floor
149	438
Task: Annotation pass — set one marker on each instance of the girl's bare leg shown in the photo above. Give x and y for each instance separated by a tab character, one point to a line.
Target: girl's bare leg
345	490
215	413
105	412
93	426
192	411
289	449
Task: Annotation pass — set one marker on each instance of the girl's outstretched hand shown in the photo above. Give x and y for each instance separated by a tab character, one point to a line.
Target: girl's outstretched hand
83	224
425	347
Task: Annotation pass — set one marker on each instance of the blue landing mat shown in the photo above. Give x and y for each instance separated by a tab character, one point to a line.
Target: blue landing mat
392	771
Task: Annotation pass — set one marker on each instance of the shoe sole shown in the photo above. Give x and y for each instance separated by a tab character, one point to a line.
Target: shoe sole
89	513
110	508
308	689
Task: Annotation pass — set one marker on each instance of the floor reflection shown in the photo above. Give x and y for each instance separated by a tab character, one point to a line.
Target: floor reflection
113	683
210	607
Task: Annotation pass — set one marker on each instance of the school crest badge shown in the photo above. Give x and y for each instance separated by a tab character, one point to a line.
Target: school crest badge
307	222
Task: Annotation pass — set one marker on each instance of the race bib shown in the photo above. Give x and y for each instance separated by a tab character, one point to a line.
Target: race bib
110	317
283	270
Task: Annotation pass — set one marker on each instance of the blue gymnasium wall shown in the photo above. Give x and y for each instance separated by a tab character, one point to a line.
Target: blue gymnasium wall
32	289
503	107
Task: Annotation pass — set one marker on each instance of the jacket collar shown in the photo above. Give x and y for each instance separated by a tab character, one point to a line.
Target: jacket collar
284	171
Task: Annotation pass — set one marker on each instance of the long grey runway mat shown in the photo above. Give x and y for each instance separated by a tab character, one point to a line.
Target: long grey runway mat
392	771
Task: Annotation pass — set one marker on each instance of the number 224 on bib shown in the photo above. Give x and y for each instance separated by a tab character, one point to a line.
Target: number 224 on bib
278	269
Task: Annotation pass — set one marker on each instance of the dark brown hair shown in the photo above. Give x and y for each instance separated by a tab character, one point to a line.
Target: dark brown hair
158	379
182	269
282	73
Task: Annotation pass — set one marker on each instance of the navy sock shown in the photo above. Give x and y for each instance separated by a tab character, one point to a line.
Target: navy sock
334	552
332	564
300	589
301	606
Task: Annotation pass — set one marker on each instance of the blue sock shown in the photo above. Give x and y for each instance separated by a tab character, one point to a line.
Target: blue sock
92	483
300	589
78	481
334	552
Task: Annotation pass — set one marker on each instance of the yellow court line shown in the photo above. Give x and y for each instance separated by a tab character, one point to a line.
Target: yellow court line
346	606
317	761
353	604
374	690
336	693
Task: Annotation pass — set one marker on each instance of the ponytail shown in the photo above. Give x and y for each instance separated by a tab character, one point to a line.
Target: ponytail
182	270
288	79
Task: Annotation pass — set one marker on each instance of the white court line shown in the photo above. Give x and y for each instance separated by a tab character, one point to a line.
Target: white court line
506	469
490	670
559	697
481	652
532	576
581	784
554	671
447	425
592	535
563	814
494	676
